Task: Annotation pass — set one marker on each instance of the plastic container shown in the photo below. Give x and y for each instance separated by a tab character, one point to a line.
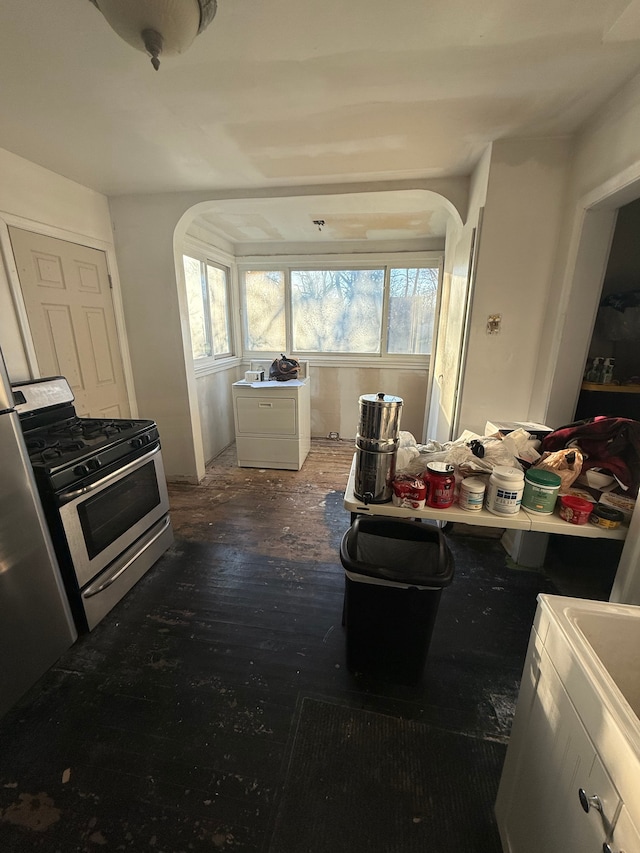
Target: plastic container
471	496
439	478
395	571
606	517
540	491
575	510
504	494
409	491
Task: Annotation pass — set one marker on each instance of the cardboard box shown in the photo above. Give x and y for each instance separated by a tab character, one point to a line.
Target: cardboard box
505	427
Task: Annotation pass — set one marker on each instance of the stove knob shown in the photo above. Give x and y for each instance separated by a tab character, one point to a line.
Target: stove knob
81	470
136	442
94	464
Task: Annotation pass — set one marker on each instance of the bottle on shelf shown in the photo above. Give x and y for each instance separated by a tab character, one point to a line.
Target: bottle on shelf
607	370
595	372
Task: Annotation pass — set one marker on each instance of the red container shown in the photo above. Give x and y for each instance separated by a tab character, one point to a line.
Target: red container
575	510
441	484
409	491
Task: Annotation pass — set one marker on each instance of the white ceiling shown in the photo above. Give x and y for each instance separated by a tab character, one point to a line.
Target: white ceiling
289	93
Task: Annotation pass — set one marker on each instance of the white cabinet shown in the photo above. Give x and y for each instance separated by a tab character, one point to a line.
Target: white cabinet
273	423
562	743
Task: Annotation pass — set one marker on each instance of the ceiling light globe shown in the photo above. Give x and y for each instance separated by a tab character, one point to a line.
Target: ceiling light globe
158	26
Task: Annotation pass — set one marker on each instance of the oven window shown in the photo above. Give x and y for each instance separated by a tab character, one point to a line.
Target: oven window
106	516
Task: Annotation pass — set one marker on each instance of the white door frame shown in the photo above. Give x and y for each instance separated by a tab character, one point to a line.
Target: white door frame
7	220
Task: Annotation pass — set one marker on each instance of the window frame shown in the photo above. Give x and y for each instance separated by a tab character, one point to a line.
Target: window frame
287	263
207	256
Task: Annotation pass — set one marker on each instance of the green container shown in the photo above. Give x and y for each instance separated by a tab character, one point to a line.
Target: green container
540	491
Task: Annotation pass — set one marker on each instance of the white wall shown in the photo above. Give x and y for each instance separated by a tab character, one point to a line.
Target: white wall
159	340
335	392
522	215
449	363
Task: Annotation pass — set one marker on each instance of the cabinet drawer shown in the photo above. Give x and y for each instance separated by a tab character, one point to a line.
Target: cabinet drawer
267	452
266	416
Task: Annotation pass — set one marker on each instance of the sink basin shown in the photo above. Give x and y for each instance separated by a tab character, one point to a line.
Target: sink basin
615	639
605	639
593	647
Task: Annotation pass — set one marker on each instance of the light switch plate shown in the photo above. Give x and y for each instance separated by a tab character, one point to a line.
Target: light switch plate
493	324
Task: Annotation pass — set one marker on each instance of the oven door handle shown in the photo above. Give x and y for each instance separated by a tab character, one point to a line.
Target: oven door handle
65	497
90	591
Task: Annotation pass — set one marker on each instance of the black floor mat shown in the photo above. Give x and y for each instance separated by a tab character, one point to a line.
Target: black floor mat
358	780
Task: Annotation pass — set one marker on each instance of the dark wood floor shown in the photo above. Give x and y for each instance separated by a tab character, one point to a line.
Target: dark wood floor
167	727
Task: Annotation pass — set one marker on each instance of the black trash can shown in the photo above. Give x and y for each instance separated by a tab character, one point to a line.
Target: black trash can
395	571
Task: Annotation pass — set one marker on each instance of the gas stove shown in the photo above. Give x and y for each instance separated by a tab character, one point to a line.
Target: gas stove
104	494
66	450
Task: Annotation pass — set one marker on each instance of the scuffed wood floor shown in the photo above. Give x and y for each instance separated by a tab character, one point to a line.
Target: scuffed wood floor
283	514
166	728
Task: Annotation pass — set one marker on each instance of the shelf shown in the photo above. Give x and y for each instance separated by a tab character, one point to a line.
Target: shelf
610	388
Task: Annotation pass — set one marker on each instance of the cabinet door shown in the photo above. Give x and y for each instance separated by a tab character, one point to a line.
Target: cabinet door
557	760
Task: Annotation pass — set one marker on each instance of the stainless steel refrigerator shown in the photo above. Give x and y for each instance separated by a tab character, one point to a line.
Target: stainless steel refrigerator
36	626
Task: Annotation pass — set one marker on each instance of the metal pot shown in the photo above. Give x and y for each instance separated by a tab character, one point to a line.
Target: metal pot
379	416
374	476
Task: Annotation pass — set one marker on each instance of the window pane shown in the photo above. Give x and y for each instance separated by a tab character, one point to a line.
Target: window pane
337	310
196	288
264	303
412	310
217	280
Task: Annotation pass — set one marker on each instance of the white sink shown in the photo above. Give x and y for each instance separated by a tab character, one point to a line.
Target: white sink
605	638
615	639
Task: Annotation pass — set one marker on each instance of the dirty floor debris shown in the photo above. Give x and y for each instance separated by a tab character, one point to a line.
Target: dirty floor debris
170	726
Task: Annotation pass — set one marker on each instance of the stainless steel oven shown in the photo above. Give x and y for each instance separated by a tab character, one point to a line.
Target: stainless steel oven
104	492
114	527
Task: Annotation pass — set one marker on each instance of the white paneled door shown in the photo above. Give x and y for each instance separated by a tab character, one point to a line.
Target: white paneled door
67	295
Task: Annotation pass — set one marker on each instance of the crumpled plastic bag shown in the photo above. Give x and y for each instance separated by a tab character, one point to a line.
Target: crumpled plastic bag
566	463
462	454
467	462
407	450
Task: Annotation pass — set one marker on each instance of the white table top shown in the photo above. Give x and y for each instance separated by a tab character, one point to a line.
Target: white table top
522	520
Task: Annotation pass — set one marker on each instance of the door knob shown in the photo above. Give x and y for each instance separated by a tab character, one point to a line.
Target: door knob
589	802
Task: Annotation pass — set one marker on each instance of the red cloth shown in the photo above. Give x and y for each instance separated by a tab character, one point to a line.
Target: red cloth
612	444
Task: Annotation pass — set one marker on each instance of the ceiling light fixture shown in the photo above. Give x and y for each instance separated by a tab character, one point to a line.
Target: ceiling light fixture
319	223
158	26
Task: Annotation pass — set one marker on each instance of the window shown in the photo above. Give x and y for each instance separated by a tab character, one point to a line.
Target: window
209	303
265	312
337	310
383	310
413	302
